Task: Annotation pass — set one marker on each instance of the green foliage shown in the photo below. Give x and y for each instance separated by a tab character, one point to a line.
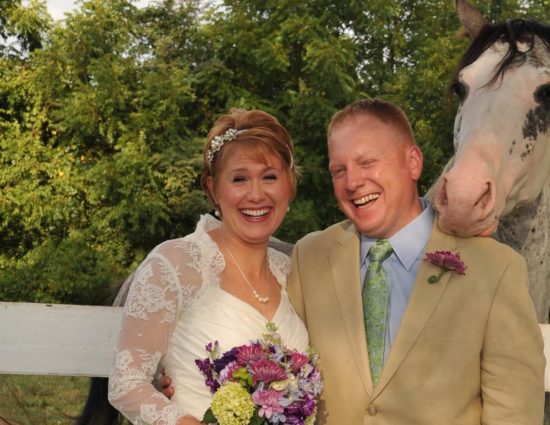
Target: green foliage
103	116
98	160
72	270
26	24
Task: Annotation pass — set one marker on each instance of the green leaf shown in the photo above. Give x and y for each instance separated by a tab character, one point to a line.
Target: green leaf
209	417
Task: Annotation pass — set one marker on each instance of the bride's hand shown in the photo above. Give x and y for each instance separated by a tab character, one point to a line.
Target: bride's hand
188	420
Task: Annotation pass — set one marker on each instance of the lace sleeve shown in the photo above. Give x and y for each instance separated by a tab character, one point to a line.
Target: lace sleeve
150	314
279	264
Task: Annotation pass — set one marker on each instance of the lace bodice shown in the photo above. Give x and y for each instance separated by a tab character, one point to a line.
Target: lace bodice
175	306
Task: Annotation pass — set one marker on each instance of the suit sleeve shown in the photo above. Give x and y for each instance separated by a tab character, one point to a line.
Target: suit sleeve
294	287
512	360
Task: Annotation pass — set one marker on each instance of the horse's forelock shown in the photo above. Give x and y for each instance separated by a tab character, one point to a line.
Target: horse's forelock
513	31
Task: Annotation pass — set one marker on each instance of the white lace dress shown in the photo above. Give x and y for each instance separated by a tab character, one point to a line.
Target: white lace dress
176	306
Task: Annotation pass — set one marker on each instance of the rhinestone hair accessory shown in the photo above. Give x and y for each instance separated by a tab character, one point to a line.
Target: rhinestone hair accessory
218	142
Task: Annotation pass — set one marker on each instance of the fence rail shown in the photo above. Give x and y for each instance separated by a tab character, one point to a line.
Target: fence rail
75	340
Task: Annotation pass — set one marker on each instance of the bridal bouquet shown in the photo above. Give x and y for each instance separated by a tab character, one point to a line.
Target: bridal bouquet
261	383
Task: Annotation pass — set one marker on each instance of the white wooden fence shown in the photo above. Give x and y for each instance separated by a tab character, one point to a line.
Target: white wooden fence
57	339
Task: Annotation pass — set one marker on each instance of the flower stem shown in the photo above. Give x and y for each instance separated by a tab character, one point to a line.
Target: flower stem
434	279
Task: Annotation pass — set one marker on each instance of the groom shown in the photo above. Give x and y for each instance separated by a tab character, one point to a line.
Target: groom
395	348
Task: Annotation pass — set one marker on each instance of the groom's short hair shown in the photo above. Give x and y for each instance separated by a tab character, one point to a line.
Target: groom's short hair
385	111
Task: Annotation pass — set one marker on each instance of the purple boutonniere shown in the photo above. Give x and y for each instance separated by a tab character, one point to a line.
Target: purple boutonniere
447	261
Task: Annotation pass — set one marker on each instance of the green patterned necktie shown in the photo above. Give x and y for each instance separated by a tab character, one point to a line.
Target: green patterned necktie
375	305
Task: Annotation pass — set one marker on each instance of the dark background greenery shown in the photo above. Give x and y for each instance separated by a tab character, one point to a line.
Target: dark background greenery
103	115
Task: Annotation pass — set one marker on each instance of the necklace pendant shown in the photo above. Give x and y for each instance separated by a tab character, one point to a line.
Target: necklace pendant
263	300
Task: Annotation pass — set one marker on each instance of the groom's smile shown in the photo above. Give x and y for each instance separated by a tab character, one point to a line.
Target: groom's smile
366	200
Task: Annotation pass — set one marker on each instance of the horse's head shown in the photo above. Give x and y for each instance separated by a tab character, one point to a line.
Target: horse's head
501	134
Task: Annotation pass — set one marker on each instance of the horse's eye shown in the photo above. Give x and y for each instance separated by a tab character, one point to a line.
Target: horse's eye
459	90
542	94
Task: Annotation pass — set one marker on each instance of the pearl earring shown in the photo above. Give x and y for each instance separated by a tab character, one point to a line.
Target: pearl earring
217	212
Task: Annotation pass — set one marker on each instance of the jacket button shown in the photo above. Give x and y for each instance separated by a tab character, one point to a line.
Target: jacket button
372	411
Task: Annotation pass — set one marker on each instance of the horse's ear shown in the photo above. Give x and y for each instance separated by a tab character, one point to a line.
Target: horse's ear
470	18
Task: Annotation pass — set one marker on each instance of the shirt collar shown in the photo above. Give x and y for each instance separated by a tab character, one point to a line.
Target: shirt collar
409	242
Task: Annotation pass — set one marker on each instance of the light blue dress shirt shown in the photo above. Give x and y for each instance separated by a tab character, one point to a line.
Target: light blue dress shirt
401	267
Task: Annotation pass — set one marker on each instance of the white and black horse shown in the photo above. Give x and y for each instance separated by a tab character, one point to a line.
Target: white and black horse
498	181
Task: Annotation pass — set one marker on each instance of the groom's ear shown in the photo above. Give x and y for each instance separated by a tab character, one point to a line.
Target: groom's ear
415	160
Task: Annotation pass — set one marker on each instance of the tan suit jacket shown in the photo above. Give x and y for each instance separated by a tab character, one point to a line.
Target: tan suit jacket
468	350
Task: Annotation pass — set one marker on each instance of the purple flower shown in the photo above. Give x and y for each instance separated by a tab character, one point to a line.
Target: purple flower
299	411
211	346
227	357
207	368
447	261
308	407
267	371
311	384
294	417
269	402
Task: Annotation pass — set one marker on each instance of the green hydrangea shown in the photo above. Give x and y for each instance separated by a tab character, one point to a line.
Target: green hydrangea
232	405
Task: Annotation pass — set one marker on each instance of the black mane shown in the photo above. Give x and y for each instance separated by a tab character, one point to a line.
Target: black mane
511	31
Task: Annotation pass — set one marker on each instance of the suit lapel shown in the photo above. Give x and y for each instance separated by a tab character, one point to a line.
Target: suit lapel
344	259
423	301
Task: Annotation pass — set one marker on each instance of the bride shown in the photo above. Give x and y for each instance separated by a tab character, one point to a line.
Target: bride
221	282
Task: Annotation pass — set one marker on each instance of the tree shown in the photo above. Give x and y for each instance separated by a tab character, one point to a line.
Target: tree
103	116
97	158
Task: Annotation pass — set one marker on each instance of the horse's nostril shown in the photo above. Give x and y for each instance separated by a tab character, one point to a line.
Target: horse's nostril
486	200
441	197
482	201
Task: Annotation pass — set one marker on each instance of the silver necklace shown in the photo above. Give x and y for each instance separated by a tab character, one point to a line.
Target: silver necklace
259	298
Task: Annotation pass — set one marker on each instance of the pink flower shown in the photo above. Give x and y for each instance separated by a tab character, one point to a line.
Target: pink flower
447	261
297	360
269	402
249	353
266	371
227	372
